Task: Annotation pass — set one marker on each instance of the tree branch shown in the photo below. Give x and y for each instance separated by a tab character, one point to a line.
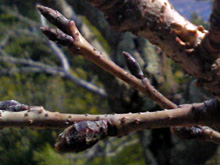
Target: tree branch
158	22
96	127
210	45
78	45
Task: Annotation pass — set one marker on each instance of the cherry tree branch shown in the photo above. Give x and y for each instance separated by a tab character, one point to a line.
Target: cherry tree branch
182	132
77	44
163	26
210	45
86	130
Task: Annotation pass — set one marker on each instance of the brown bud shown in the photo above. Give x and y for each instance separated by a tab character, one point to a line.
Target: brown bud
57	36
81	135
55	17
133	66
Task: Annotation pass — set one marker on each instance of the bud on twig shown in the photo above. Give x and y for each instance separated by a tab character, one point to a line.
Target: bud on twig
133	66
81	135
13	106
57	36
55	17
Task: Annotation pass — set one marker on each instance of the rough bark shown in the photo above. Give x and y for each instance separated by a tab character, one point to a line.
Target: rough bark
162	25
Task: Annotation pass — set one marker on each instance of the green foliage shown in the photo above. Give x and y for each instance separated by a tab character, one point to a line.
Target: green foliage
131	155
47	156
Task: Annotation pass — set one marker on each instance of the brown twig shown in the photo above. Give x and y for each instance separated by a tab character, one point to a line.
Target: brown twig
186	115
78	45
91	128
194	132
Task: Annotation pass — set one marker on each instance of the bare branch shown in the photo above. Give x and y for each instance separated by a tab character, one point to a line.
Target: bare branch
92	128
6	58
39	67
77	44
208	134
182	132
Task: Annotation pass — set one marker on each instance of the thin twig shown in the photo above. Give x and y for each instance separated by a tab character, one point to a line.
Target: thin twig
57	51
77	44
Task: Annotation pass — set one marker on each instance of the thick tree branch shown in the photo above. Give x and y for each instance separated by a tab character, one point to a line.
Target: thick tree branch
158	22
210	45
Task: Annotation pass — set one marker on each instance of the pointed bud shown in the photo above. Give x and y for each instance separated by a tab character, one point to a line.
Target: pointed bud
13	106
133	66
81	135
57	36
55	17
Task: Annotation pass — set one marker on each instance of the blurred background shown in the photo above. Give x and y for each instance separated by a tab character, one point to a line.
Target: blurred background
35	71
